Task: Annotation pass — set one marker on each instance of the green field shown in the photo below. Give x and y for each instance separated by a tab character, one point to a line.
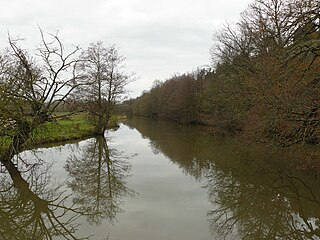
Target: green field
66	127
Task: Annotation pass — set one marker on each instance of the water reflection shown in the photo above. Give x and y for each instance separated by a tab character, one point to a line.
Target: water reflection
253	191
32	206
98	182
186	146
264	204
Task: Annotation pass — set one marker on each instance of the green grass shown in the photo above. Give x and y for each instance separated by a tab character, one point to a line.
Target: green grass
67	128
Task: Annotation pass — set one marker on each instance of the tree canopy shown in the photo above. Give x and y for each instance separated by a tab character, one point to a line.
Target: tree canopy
265	80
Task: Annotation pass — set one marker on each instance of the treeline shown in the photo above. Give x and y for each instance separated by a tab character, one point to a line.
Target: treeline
265	82
174	99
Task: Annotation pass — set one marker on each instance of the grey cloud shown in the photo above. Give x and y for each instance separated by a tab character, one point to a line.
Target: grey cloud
157	37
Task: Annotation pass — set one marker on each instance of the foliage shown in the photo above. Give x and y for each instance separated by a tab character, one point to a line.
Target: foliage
174	99
265	84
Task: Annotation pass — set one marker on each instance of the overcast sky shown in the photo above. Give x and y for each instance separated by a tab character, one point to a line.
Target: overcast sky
158	38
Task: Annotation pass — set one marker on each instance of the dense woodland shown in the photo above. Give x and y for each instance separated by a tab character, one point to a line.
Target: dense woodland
264	83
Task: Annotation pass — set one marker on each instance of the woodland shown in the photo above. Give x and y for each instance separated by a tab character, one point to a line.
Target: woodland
263	83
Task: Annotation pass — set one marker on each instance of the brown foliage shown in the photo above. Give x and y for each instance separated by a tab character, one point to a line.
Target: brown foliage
266	79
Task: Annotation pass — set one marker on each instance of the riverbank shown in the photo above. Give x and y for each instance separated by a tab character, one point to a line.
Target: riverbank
309	155
64	128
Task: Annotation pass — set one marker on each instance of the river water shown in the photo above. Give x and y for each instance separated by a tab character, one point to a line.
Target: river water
159	180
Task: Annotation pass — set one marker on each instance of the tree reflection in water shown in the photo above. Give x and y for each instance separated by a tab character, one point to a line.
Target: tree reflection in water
253	192
99	180
267	204
32	206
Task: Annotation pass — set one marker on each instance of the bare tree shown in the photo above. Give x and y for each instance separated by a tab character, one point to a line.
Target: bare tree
32	87
102	73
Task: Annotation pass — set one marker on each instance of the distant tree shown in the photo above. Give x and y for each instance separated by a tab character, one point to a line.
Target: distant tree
179	93
104	79
173	99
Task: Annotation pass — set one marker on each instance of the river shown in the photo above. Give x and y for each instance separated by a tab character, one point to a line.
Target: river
159	180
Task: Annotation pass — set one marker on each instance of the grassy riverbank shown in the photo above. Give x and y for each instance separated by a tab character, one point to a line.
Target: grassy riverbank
69	127
75	126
